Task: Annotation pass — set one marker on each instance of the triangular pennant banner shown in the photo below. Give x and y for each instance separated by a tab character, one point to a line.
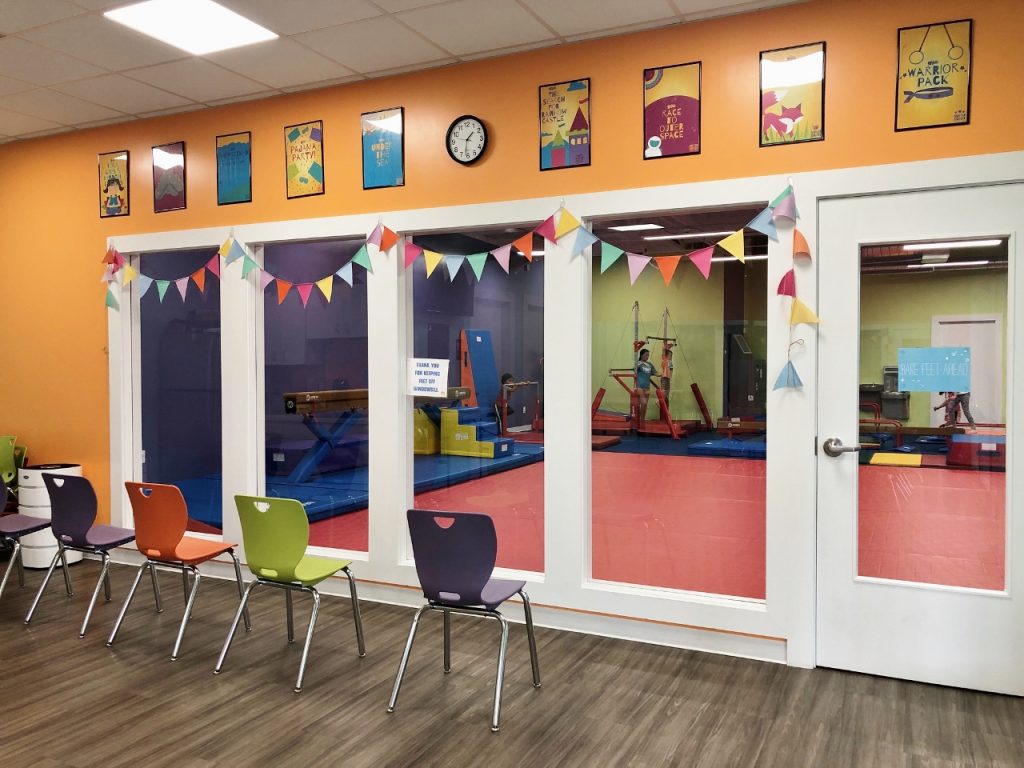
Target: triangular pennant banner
144	284
781	196
182	284
801	313
546	229
214	265
454	262
477	262
667	265
786	209
388	240
609	255
199	276
235	252
374	237
265	279
161	289
433	258
130	273
764	224
411	252
733	244
326	287
501	256
283	286
566	224
304	290
108	257
636	265
248	265
362	258
118	259
702	260
800	248
345	273
525	245
109	276
788	378
584	239
225	248
111	300
787	285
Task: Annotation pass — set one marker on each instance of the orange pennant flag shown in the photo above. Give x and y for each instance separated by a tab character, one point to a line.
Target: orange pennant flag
667	265
525	245
800	248
283	286
387	240
199	277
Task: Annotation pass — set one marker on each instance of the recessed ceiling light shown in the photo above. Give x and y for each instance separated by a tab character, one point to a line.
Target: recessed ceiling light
690	236
196	26
949	264
951	244
635	227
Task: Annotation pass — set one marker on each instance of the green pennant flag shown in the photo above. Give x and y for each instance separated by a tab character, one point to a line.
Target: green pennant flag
609	255
787	191
161	288
362	258
248	265
112	300
477	262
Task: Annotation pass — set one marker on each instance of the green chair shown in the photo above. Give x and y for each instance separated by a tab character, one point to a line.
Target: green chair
275	534
8	460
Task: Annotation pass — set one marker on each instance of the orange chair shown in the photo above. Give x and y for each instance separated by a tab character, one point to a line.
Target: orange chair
161	518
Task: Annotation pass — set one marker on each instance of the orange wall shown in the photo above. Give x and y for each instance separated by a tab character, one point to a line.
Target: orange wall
53	385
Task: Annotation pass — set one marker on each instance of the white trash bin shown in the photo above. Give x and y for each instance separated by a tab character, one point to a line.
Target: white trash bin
38	549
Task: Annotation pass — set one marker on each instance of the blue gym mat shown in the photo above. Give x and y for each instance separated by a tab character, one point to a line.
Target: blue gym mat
336	493
700	444
739	448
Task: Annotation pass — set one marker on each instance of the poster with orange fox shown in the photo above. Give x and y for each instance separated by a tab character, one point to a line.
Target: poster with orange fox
933	82
793	94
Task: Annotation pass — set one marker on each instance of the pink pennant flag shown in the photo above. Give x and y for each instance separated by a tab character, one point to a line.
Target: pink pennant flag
636	265
786	209
547	229
214	265
265	279
501	256
375	235
702	260
182	284
411	253
304	290
787	285
118	259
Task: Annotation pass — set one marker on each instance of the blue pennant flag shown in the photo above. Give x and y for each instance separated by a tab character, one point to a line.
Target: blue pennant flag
788	378
764	224
584	239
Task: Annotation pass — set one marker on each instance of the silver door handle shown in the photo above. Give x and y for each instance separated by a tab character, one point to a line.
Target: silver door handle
834	447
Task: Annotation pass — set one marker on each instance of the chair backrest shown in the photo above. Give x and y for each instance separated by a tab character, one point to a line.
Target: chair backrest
161	517
72	507
8	464
275	533
454	552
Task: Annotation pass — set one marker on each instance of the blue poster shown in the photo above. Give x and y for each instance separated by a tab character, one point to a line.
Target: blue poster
383	148
234	168
934	369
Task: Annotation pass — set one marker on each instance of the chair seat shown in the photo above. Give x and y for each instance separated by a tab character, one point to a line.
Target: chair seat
193	551
311	569
104	537
494	593
15	526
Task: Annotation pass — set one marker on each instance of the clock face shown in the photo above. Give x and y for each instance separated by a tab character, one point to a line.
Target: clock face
466	139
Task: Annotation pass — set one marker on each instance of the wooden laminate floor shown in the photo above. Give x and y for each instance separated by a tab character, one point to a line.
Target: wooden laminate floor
77	704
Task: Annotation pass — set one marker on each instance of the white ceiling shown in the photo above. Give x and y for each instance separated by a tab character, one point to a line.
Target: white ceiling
64	66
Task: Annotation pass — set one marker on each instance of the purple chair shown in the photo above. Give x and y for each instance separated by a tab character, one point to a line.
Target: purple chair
455	554
73	517
12	528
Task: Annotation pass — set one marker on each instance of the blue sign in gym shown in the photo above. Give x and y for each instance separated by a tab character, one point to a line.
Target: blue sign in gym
934	369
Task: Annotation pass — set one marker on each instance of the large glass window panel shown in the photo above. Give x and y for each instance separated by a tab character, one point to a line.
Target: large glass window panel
933	389
481	448
317	401
180	389
678	416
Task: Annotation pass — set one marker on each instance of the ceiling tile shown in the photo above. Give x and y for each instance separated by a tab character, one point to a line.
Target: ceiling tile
174	111
16	124
9	85
507	51
468	26
246	97
103	42
372	45
99	5
19	15
122	94
706	9
58	107
394	6
656	24
574	17
412	68
280	63
26	61
324	84
196	79
302	15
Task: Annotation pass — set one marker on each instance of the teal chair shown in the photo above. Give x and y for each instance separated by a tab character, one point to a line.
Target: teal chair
275	534
9	461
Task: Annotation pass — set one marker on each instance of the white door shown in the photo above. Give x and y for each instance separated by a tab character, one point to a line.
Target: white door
983	335
920	536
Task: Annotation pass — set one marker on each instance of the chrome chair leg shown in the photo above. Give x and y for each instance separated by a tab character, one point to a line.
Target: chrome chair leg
103	579
309	638
184	584
241	589
46	580
21	564
127	602
64	566
291	621
405	658
106	586
10	566
534	663
356	613
188	612
447	642
501	672
234	626
156	589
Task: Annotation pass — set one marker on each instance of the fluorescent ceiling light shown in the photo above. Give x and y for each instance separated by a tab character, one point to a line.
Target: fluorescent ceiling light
934	257
792	72
949	264
951	244
690	236
164	159
733	258
196	26
392	124
635	227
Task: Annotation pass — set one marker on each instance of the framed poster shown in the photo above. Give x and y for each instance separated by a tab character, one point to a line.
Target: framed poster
933	79
234	168
672	111
383	137
793	95
113	180
565	124
304	158
169	177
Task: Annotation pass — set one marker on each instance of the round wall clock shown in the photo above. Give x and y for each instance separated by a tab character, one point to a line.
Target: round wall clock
466	139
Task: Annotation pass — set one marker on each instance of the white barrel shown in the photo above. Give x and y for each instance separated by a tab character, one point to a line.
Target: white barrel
39	548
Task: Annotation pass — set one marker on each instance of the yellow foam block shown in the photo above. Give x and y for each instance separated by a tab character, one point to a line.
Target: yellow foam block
426	437
460	439
897	459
